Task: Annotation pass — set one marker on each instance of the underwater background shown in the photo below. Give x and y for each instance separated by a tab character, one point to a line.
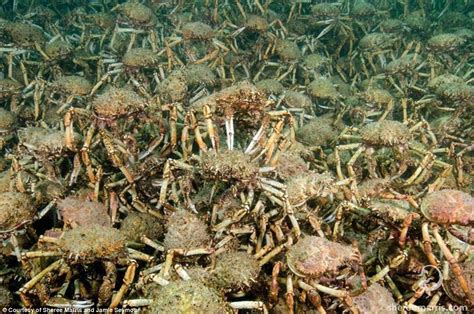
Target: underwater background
224	156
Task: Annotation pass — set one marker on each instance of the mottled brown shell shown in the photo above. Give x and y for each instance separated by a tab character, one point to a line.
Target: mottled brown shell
6	297
315	61
270	86
73	84
319	131
174	88
138	13
445	78
16	209
290	164
310	185
25	35
197	31
392	211
314	256
457	92
403	64
83	213
187	296
243	99
445	42
378	96
58	49
322	89
373	187
452	286
256	23
287	50
235	271
140	57
9	87
117	102
88	244
386	133
449	207
293	99
325	10
229	166
376	41
197	74
186	231
377	300
7	120
136	225
45	142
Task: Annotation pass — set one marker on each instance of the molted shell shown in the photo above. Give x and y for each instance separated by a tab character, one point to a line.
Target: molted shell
449	207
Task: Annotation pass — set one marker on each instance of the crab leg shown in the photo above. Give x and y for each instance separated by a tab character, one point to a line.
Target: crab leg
33	281
249	305
229	127
454	265
210	127
137	303
127	281
274	286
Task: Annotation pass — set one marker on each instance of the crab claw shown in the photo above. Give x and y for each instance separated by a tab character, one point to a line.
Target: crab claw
62	303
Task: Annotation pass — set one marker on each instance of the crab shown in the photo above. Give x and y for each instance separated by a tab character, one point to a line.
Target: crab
135	64
376	45
70	90
137	19
197	44
324	92
244	103
76	249
388	134
16	215
7	126
114	109
314	260
10	91
446	209
329	16
381	99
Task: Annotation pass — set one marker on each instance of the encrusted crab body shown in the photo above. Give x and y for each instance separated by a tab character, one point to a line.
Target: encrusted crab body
314	257
16	211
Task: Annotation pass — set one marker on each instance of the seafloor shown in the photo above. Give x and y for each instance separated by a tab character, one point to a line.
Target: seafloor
237	156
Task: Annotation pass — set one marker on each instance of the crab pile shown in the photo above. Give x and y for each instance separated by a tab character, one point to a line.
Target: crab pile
235	156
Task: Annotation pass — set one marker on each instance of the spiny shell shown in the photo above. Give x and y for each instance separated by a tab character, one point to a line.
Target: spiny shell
319	131
73	84
88	244
386	132
197	31
235	271
186	231
187	296
229	166
293	99
136	225
116	102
